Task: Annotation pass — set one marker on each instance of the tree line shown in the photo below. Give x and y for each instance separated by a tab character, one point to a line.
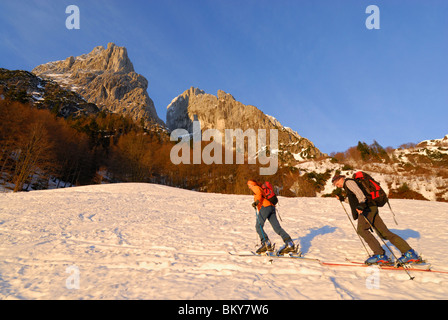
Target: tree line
37	146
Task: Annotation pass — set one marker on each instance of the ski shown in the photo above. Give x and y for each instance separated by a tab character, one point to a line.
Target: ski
242	254
272	255
294	256
348	262
411	266
382	267
393	264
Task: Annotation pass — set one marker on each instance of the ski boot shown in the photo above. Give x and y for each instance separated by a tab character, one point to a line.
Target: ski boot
379	259
265	247
287	248
409	257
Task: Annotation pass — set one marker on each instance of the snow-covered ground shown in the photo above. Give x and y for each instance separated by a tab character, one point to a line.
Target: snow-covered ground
143	241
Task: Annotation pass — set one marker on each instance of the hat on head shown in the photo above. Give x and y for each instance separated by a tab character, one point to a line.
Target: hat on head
336	178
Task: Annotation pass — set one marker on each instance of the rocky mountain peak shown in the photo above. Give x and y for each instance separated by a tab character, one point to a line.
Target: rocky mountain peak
112	59
225	96
105	77
225	112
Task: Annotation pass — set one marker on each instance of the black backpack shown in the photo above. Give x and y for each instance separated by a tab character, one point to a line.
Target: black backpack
371	188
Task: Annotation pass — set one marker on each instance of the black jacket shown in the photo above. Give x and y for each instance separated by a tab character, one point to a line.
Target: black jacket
356	197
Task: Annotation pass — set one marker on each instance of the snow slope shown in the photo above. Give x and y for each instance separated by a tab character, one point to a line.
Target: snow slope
143	241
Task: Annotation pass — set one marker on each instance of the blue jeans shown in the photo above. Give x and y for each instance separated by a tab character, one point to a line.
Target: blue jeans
268	213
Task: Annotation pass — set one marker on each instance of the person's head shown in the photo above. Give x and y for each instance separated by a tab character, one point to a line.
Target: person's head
338	180
251	184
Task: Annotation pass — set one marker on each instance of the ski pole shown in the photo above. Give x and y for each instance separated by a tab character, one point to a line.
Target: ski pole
381	237
355	229
393	213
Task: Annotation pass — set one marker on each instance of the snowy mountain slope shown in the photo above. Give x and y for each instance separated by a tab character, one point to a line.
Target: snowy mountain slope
412	171
431	186
143	241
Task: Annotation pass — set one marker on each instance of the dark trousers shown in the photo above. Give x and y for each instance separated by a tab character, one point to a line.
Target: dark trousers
382	231
268	213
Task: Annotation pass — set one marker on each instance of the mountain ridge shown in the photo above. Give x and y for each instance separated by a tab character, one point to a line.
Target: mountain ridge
223	111
26	87
105	77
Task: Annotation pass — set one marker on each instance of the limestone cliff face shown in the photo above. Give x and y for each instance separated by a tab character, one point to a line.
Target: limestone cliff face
105	77
224	112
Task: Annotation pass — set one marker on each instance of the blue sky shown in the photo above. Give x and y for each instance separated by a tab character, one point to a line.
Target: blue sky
312	64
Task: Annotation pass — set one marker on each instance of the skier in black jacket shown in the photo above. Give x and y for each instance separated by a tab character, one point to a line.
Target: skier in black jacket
363	209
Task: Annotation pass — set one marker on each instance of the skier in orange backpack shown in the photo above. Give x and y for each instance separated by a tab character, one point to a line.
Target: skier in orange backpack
265	210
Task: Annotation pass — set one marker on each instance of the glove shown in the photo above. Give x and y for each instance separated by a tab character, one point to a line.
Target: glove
255	204
362	206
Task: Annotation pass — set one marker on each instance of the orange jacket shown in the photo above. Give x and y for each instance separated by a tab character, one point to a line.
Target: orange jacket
259	195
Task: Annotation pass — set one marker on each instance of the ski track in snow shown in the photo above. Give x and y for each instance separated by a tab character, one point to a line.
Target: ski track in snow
144	241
